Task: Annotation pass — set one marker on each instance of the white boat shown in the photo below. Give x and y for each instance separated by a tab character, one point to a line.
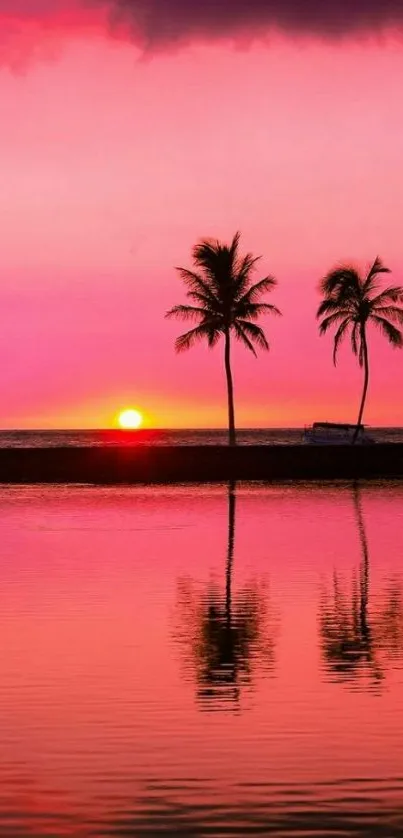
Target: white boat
334	433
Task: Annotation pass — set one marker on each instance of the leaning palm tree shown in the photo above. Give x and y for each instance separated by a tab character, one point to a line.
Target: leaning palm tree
351	302
224	301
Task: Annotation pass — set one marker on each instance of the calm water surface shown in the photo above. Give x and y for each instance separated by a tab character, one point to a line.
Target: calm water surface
201	661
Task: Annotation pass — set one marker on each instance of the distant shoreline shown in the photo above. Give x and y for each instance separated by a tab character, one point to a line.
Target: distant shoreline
117	465
165	437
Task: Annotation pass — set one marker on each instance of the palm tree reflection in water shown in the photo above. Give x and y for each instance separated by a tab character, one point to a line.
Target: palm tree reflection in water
227	636
356	641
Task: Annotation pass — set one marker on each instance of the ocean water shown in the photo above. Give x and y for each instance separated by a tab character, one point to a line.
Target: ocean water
271	436
201	661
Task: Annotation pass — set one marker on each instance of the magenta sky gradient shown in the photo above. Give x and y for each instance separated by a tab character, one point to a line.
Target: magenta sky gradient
114	165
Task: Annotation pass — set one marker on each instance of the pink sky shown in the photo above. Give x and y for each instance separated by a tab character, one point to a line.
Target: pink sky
114	165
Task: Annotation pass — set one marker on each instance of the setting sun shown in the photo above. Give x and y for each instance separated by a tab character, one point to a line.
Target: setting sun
130	419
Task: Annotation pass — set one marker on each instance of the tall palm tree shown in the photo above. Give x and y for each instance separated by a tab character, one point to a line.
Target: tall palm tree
224	302
351	302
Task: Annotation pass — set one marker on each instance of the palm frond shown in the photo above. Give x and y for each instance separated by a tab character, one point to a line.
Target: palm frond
251	311
390	312
247	265
341	282
244	271
361	345
192	278
393	294
355	338
256	290
330	306
215	259
209	303
338	338
241	336
234	247
333	320
254	333
327	306
205	251
370	283
394	335
186	312
188	339
213	337
195	282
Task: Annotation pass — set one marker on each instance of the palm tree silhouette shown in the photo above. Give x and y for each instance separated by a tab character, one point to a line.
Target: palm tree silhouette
352	639
224	302
226	634
350	303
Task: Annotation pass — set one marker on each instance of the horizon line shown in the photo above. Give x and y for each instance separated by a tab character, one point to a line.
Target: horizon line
137	431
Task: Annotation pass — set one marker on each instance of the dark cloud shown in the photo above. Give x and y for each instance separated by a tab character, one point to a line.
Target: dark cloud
170	21
160	23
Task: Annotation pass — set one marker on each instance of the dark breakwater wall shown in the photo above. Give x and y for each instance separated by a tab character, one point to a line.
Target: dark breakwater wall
178	464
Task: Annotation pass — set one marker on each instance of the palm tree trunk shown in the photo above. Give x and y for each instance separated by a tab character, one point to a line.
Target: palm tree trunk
230	389
366	382
364	571
230	552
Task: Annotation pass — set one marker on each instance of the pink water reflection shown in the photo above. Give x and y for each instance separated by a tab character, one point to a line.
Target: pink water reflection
101	720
